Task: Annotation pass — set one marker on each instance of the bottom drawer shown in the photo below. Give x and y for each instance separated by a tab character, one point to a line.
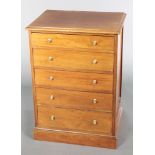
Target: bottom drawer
77	120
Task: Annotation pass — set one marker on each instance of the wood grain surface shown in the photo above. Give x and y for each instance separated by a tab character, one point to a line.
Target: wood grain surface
76	63
74	80
75	138
74	99
72	41
79	22
76	120
73	60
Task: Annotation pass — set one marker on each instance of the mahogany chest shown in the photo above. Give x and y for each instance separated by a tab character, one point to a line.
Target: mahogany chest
76	61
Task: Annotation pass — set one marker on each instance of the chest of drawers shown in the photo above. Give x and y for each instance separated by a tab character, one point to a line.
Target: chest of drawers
76	61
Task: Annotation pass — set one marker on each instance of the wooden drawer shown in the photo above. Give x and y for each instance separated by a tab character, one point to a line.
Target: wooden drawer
74	99
74	80
72	41
77	120
73	60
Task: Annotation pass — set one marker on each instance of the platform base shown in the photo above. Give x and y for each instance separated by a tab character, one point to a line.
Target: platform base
75	138
80	138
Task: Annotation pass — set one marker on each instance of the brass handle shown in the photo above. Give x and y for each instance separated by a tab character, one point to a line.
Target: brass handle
51	78
94	100
49	40
94	122
50	58
52	117
94	61
94	42
52	97
94	81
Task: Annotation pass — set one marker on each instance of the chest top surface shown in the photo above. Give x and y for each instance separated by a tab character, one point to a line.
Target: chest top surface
79	21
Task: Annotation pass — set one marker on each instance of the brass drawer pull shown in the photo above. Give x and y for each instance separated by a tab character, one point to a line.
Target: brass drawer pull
52	117
94	122
50	58
94	42
52	97
94	81
94	100
49	40
51	78
94	61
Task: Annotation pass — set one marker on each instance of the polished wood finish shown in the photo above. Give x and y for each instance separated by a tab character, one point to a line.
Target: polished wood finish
72	41
74	99
79	22
75	138
76	120
74	80
76	63
79	61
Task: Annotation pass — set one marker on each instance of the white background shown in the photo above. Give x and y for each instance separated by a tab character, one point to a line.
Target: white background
144	77
30	11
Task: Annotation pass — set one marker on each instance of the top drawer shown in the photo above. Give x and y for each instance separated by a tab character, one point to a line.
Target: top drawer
73	41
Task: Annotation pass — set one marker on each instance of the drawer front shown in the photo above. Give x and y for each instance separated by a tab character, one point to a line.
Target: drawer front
72	41
74	80
77	120
74	99
73	60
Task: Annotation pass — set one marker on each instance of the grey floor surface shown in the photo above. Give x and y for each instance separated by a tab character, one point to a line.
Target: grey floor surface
32	147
